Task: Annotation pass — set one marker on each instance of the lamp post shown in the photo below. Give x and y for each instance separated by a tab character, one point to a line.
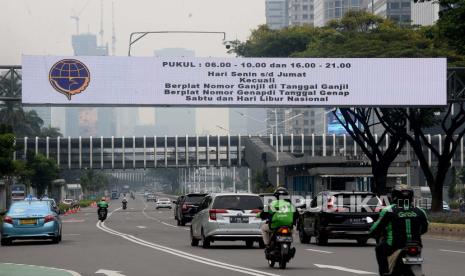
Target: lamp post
140	35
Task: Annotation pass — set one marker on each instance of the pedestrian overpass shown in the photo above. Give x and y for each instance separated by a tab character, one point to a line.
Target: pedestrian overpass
117	153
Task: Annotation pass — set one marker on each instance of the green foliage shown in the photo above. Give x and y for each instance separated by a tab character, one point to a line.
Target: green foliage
7	148
451	23
44	171
260	183
85	203
93	181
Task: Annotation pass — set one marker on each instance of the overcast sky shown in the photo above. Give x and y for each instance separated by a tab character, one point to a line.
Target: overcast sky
44	27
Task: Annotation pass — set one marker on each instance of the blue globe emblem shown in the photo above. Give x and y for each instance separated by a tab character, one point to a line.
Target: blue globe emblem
69	77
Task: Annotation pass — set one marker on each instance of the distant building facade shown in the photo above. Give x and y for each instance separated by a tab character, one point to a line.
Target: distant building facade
277	15
399	11
300	12
327	10
425	13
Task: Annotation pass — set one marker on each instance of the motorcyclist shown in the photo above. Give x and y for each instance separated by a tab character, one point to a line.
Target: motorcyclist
279	213
397	225
124	201
102	203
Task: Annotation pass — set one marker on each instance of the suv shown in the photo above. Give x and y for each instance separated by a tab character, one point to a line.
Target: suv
337	215
185	207
151	197
228	217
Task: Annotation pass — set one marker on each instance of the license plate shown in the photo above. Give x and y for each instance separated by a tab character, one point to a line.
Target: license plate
357	221
284	238
412	260
239	220
27	221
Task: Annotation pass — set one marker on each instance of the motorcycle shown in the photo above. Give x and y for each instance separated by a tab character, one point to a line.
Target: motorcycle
125	205
406	261
280	250
102	213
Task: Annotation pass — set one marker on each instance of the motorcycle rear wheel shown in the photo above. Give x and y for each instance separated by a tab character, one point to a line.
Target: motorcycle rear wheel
271	263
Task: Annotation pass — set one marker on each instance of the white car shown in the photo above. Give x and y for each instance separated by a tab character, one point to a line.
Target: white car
163	203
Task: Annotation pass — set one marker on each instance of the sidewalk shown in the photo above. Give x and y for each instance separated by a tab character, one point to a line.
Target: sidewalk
7	269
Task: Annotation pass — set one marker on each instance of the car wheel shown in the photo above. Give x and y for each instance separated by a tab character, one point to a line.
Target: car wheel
271	263
205	241
56	239
320	238
249	244
5	242
362	242
194	241
303	237
183	222
178	223
282	264
261	244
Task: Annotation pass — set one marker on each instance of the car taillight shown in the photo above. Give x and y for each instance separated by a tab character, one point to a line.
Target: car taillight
330	203
412	250
8	219
49	218
255	211
184	206
213	213
283	231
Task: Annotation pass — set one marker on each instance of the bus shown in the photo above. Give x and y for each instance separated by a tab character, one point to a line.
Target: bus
18	192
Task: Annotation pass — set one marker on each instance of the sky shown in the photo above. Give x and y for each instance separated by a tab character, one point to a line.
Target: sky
44	27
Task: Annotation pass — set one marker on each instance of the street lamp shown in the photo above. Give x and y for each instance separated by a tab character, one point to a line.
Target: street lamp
140	35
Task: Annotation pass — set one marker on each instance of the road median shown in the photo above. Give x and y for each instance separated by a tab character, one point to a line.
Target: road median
447	231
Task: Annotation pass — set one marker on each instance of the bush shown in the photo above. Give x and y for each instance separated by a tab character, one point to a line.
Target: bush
454	204
85	203
63	207
451	218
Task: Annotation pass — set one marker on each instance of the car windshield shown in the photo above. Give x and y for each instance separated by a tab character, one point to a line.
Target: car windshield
164	199
29	208
195	199
237	202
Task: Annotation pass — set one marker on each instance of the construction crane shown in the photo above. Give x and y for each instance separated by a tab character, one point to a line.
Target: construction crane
77	15
113	35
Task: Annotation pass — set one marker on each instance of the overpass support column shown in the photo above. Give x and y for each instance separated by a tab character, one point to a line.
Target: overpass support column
176	150
166	151
80	152
197	150
133	152
292	142
112	152
47	147
248	180
90	152
58	151
239	151
101	152
123	146
207	150
229	150
154	151
145	152
218	159
25	148
187	150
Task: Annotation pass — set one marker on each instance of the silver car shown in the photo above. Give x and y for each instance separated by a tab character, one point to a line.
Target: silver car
227	217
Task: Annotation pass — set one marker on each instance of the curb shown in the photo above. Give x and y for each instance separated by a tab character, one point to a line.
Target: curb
445	230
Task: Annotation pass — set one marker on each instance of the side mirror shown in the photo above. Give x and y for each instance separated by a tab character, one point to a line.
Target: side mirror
175	202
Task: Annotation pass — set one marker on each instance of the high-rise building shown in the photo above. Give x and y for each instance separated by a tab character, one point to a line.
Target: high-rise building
399	11
326	10
277	16
425	13
300	12
89	121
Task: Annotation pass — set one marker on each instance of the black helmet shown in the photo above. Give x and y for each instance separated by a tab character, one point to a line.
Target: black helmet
402	193
281	191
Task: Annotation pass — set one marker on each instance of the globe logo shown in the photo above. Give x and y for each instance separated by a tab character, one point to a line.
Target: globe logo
69	77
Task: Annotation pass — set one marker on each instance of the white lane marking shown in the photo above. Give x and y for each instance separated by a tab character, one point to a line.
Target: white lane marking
72	234
320	251
182	254
452	251
341	268
141	226
160	221
73	273
131	208
109	272
434	239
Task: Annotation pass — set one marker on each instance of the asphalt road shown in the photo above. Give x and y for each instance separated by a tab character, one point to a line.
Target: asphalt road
144	241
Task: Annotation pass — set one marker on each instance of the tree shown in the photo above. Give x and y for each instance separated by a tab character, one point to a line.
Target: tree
451	23
7	148
360	34
50	132
93	181
44	171
359	125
